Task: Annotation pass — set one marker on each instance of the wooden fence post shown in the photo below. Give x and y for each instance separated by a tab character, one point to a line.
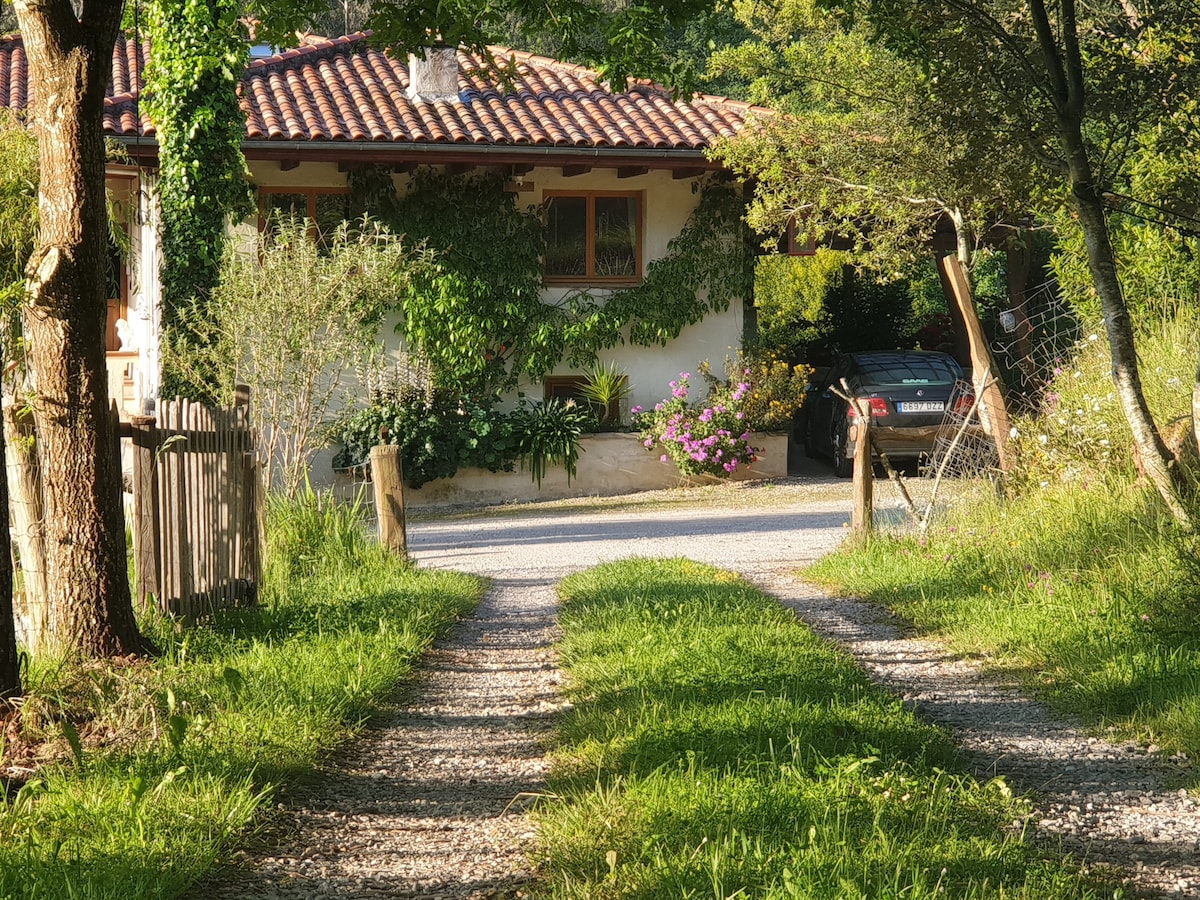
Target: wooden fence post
25	497
862	518
145	509
389	497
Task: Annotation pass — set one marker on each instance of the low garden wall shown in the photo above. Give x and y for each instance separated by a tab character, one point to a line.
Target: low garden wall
608	464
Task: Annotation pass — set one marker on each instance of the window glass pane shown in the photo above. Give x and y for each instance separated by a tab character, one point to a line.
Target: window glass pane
279	205
332	211
566	236
616	237
892	370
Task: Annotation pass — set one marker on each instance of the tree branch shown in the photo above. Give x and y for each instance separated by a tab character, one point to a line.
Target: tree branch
1050	55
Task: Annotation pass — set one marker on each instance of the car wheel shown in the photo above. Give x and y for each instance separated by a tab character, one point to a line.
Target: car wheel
843	466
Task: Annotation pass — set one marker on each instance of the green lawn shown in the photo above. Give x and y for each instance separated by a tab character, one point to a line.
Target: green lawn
1080	592
164	765
716	748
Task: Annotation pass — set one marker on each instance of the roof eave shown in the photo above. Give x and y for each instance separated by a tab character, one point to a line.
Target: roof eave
393	152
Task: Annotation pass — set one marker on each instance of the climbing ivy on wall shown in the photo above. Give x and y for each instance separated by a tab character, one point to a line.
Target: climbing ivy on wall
191	85
480	318
478	315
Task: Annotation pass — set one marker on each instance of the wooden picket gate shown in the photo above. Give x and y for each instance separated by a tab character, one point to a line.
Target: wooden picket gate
196	507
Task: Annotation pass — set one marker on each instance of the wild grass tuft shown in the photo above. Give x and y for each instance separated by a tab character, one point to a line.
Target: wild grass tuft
158	768
1075	583
717	748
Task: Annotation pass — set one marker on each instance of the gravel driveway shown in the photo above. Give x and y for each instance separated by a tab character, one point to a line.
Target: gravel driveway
429	803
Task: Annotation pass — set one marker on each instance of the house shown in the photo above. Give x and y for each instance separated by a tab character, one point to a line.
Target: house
559	136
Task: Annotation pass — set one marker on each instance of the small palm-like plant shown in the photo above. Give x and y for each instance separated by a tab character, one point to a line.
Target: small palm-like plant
605	388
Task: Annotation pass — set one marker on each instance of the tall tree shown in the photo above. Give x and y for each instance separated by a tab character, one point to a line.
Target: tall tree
863	148
70	59
1073	88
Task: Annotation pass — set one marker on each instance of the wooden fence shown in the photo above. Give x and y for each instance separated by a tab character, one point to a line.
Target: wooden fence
196	507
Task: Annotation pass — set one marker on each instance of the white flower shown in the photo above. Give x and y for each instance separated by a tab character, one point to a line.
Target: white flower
1091	337
1041	439
1013	433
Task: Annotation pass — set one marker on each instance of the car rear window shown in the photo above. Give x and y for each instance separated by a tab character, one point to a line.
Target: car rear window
902	371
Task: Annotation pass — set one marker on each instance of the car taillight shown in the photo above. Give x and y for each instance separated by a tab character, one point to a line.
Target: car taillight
878	407
962	406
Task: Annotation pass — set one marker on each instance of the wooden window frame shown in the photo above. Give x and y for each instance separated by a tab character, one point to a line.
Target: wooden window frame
118	180
310	194
589	278
807	248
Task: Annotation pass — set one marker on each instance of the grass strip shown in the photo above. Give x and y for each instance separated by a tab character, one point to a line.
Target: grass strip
163	766
716	748
1078	591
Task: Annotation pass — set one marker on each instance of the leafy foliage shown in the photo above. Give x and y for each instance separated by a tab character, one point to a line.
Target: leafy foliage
18	203
550	435
438	432
871	150
478	316
191	87
775	390
815	307
624	38
291	320
606	388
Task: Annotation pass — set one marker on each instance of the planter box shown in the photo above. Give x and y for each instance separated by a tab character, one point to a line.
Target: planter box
608	464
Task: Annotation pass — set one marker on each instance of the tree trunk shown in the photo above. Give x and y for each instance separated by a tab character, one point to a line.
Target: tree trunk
1063	60
70	61
1154	456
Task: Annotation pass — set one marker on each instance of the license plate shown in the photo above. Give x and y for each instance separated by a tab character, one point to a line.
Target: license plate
916	406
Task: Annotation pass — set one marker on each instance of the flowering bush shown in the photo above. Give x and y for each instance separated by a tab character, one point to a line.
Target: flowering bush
710	438
775	390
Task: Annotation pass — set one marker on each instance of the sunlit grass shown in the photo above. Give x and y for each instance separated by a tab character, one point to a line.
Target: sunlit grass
718	749
1083	593
1074	582
163	766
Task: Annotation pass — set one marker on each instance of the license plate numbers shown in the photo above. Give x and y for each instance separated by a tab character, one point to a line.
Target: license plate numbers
919	406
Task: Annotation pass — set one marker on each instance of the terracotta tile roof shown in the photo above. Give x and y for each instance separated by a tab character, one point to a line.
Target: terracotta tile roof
343	90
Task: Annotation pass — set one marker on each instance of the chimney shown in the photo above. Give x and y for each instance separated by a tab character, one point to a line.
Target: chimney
433	75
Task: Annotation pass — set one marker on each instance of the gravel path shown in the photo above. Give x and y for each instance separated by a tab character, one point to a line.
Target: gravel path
428	803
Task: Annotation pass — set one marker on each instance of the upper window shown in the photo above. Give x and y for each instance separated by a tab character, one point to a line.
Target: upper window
325	208
594	237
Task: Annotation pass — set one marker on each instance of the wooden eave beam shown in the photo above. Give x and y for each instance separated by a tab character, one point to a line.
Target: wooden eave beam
578	169
631	171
